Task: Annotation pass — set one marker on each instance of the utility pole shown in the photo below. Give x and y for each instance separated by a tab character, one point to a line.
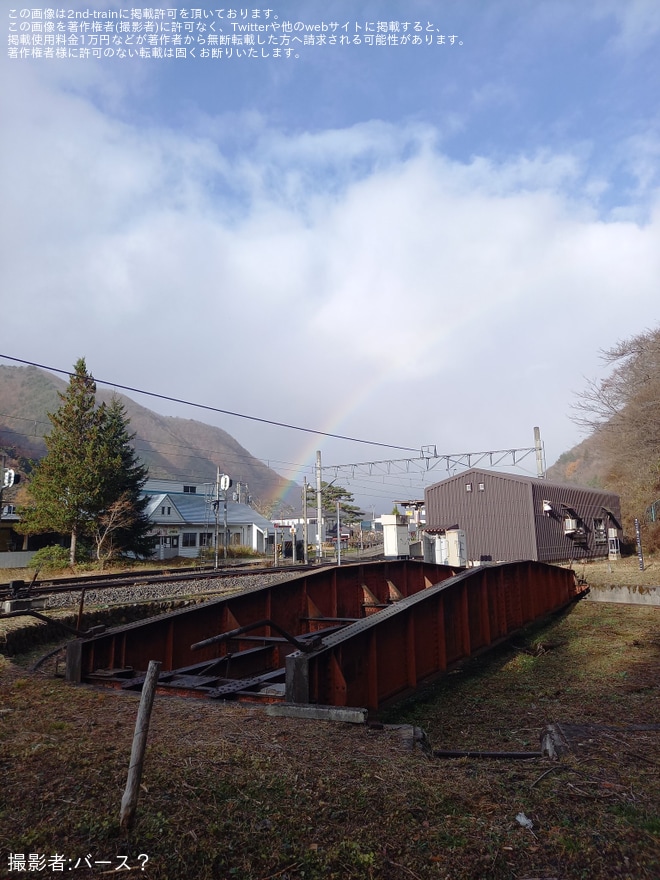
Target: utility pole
239	494
319	511
2	481
338	537
638	541
8	478
224	544
305	534
538	446
222	484
216	505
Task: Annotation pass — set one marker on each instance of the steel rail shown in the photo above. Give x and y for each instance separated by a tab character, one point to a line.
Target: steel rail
101	582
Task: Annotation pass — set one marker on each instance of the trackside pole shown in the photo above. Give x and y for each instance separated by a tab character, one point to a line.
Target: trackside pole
130	798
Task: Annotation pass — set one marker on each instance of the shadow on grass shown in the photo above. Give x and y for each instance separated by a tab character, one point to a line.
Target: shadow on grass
590	662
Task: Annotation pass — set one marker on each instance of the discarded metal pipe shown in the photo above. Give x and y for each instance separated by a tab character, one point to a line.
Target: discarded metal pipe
305	647
95	630
40	662
510	756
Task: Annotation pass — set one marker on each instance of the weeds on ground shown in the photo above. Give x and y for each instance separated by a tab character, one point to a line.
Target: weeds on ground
228	792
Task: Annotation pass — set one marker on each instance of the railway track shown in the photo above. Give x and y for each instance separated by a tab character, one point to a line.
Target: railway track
48	587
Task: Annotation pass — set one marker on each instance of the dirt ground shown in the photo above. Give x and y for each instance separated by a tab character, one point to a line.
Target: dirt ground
229	792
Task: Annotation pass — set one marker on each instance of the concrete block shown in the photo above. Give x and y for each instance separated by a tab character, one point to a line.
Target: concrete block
411	737
626	595
318	713
23	605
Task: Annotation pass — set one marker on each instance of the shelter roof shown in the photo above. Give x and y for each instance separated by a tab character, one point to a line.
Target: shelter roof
519	478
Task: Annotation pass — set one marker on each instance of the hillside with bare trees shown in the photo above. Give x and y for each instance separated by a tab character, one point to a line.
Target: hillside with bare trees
622	414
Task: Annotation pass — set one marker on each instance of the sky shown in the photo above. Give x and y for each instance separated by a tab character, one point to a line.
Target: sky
414	223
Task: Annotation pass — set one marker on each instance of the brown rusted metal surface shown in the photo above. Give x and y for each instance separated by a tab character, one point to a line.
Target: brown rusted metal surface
386	656
371	633
305	606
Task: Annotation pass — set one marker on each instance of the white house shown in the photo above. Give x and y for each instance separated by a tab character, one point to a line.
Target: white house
184	520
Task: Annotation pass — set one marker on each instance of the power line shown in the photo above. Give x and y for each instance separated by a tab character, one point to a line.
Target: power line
197	453
412	472
215	409
193	453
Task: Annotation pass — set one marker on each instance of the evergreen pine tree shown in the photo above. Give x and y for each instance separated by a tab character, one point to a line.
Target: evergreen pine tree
67	488
90	482
122	524
330	495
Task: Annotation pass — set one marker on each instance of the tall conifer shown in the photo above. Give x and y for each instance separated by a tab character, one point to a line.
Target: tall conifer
89	484
123	524
66	488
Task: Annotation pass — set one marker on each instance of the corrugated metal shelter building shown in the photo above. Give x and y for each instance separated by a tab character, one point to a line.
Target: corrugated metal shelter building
508	517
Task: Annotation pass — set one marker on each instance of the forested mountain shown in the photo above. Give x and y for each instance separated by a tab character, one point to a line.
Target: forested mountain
583	465
621	415
170	447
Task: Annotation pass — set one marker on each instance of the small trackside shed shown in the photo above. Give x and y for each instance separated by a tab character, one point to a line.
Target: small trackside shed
508	517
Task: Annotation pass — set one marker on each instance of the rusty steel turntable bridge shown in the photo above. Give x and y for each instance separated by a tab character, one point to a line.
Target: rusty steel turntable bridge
362	635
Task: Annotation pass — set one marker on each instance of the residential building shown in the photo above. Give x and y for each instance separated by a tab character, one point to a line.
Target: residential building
184	520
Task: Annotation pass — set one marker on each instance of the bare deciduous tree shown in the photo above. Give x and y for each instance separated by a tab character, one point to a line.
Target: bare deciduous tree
623	410
120	515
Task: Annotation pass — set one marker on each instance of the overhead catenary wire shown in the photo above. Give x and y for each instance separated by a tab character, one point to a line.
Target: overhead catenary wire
411	480
210	408
282	467
377	484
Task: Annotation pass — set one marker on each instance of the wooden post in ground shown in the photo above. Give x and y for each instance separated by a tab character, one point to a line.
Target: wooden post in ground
81	605
130	798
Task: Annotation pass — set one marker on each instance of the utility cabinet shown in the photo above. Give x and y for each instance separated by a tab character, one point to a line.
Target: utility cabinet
446	547
396	537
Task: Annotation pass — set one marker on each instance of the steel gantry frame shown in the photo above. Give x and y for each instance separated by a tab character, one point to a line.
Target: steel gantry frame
429	460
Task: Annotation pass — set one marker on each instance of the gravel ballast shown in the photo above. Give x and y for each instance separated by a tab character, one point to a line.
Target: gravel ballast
156	592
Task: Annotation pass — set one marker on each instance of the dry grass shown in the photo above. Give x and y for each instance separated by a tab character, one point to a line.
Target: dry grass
601	573
231	793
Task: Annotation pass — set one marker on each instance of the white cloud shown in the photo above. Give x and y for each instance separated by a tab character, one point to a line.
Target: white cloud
638	21
358	273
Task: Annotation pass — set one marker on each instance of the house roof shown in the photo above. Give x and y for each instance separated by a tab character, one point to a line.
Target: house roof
194	510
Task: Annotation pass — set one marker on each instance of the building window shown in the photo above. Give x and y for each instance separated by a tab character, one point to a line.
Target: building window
206	539
600	531
189	539
481	486
190	490
165	511
167	541
468	487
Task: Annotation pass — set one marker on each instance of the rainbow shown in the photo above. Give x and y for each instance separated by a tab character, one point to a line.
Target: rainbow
333	426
